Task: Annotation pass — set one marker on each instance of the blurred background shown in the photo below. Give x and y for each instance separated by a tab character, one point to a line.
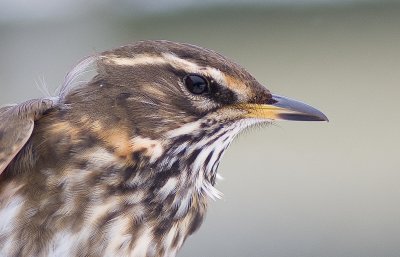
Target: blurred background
295	189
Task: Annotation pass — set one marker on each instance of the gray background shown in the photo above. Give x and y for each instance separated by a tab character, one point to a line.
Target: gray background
294	189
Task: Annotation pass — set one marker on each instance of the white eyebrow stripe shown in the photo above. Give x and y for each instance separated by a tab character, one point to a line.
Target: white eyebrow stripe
137	60
168	58
176	62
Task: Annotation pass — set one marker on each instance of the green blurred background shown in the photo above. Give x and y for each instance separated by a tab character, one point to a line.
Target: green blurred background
295	189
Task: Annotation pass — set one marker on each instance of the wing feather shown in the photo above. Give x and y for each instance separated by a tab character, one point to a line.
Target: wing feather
16	126
17	121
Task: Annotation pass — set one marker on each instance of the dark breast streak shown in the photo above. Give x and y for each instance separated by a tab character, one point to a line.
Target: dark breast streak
99	193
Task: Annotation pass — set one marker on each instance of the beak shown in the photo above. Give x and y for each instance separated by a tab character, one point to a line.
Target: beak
283	108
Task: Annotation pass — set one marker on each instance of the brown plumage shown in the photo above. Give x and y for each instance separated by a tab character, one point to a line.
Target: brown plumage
123	165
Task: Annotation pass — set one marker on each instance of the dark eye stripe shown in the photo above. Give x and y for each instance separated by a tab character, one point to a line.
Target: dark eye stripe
222	94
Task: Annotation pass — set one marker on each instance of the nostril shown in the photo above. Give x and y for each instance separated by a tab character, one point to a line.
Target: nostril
263	98
271	100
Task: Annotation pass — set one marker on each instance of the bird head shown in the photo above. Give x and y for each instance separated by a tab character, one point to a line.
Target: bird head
188	101
166	85
121	165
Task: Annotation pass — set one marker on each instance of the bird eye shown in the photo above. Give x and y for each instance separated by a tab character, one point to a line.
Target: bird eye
196	84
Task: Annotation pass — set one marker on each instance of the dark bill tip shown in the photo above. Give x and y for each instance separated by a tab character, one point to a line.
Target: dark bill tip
297	110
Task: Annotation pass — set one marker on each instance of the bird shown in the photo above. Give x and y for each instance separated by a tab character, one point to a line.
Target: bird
125	163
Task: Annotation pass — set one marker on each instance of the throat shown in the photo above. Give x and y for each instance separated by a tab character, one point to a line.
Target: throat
195	153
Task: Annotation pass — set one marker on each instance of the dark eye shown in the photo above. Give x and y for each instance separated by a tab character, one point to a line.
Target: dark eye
196	84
